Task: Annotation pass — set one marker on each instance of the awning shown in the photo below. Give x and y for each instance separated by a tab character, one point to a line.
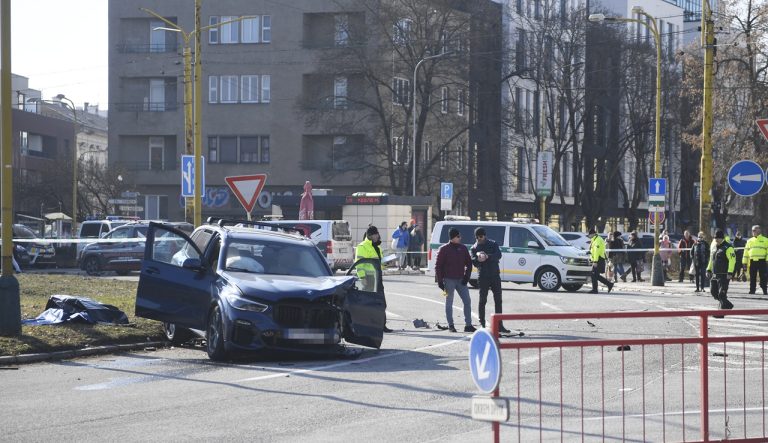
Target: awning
58	216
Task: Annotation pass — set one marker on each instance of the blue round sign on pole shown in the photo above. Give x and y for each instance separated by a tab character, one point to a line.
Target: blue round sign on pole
746	178
484	361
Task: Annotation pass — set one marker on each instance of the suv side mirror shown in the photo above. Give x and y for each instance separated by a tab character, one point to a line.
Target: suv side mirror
533	244
192	263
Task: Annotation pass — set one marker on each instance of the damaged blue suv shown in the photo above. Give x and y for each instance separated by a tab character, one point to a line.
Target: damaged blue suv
247	289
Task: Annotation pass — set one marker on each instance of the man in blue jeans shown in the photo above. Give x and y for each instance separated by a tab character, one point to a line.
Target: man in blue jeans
452	270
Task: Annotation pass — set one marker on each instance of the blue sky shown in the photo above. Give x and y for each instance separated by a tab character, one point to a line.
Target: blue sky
61	46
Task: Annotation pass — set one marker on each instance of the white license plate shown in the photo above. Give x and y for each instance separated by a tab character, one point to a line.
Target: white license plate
342	250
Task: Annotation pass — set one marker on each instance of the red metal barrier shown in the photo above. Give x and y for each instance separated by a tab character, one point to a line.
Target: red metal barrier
649	418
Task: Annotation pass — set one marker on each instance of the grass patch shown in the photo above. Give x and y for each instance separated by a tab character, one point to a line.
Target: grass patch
36	289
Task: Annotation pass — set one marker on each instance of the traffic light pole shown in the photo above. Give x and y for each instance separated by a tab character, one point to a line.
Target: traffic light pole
708	41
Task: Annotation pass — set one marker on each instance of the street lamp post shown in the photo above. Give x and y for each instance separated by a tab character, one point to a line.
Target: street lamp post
193	103
657	274
413	112
75	158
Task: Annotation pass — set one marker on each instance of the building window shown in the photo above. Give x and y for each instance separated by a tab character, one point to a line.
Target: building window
229	31
249	89
266	94
341	30
265	149
238	149
24	142
228	149
427	151
156	153
397	147
460	155
213	89
250	32
444	158
213	33
444	100
401	31
213	149
460	102
249	150
228	89
156	95
156	36
522	170
401	91
520	55
340	93
344	156
266	29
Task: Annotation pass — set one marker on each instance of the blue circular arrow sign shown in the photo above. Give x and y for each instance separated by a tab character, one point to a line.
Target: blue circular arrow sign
484	361
746	178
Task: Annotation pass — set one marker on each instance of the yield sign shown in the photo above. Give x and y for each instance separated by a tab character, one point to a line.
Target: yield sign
247	188
762	124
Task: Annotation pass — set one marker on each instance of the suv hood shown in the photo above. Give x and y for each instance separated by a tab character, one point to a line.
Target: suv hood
278	287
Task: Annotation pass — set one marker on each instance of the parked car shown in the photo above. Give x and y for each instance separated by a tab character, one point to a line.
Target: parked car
122	249
332	238
92	230
27	251
245	289
580	239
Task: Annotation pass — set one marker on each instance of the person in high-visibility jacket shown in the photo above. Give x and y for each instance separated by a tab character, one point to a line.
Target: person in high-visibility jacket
370	248
597	254
755	253
720	269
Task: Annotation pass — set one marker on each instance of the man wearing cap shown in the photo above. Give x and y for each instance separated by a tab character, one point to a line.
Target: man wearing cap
452	270
486	255
597	254
755	253
370	248
720	269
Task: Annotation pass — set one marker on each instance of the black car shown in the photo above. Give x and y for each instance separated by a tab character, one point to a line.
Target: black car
122	249
28	251
250	289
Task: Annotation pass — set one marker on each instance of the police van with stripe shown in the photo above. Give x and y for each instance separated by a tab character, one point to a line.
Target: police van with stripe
531	253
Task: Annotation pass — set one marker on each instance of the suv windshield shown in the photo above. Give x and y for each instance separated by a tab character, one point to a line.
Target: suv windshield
550	237
276	258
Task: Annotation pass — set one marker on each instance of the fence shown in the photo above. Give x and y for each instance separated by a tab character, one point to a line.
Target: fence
664	392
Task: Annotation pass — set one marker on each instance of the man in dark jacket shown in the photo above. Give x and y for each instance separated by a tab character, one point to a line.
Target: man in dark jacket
700	258
452	270
486	255
738	245
636	258
684	251
721	265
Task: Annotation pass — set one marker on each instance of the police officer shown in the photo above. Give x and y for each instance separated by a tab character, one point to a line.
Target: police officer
370	248
486	255
597	254
720	269
754	255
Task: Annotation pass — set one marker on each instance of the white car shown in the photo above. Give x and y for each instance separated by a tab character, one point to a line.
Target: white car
580	239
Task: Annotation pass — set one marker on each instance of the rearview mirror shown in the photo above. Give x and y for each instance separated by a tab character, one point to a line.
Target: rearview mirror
192	263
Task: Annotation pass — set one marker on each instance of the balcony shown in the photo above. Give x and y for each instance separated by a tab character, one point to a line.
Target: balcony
147	106
146	48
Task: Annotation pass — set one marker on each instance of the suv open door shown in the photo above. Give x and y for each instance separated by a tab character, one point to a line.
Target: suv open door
364	305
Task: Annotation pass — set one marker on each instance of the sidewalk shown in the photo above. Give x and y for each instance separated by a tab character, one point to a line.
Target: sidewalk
685	288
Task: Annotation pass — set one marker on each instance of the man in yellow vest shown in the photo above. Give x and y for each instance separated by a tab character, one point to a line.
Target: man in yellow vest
370	248
755	253
597	254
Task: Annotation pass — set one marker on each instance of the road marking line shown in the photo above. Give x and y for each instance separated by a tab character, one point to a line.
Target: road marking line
552	307
354	362
432	301
392	314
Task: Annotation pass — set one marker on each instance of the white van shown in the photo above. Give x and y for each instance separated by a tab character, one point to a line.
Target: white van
531	253
95	229
332	238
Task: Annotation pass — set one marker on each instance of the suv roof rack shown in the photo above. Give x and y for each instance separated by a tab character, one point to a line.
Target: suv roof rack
284	226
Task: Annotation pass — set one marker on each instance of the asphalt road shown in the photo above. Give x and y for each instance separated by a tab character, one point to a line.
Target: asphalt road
418	386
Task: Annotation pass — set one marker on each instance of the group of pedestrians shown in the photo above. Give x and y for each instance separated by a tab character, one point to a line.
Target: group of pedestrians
407	241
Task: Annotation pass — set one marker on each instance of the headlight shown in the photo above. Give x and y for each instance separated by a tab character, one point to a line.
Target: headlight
569	261
243	304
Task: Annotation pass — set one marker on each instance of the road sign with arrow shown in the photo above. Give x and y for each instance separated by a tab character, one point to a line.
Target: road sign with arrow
746	178
484	361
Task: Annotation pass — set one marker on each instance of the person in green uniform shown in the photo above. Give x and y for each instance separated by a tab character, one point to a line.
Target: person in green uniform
755	253
597	254
370	248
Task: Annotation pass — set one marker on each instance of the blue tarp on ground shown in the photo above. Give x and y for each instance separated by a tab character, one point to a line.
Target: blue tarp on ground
66	308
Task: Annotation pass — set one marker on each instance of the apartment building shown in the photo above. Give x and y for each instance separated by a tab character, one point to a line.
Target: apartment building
314	90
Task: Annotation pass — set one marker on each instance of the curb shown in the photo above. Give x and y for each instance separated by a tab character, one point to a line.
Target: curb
74	353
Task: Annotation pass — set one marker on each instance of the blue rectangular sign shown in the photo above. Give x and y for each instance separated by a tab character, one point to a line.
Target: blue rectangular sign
188	175
657	186
446	191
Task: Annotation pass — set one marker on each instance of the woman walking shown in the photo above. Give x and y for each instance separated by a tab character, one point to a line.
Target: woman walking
636	258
